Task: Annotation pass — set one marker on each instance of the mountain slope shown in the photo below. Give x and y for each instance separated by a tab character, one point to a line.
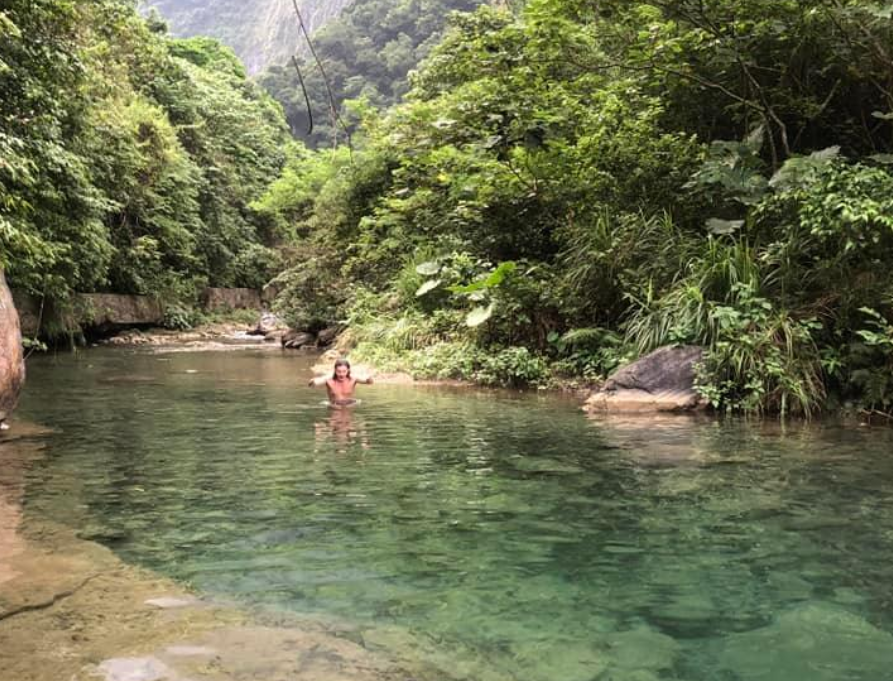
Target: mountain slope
262	32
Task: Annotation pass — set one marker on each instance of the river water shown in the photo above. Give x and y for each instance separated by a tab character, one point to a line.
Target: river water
481	535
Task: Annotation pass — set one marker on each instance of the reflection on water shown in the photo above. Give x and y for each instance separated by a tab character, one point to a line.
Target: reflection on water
342	428
484	535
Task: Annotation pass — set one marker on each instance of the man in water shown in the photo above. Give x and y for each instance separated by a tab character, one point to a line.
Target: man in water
341	385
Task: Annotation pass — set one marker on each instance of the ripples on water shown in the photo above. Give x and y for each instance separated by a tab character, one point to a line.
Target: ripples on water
484	535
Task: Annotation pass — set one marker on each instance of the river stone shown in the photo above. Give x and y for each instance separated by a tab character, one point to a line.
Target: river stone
817	641
297	339
135	669
327	336
12	363
642	649
662	381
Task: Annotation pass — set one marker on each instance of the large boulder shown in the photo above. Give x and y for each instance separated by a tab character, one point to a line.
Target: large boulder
297	339
658	382
103	311
113	310
30	312
12	362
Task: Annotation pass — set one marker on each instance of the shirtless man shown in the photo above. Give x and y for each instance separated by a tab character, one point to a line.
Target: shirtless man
341	385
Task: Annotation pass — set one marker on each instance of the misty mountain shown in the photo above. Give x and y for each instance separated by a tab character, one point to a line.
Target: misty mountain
262	32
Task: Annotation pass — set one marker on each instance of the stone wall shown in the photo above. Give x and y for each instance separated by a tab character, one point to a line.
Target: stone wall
231	299
88	310
110	310
12	362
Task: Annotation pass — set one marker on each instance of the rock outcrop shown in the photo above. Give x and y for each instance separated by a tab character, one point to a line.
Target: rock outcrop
215	299
261	32
297	339
113	310
102	311
662	381
12	362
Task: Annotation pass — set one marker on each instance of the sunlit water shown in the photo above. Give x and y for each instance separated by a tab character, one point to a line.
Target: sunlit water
482	535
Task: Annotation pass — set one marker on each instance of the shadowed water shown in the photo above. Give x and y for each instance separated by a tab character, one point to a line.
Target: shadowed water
482	535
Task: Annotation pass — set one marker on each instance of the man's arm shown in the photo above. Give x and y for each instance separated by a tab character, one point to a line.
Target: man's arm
317	381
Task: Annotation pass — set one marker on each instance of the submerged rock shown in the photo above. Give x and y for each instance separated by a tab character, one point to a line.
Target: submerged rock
817	641
12	363
134	669
662	381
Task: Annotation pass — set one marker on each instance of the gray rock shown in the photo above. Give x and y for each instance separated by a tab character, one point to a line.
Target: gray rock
328	335
112	310
660	381
12	363
817	641
297	339
267	325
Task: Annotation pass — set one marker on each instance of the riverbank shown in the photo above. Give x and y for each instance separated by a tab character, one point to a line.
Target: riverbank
70	609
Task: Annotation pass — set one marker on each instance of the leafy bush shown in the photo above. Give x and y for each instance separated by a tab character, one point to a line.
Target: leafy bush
312	295
761	359
512	366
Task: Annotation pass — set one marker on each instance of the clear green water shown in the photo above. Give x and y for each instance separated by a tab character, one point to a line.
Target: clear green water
482	535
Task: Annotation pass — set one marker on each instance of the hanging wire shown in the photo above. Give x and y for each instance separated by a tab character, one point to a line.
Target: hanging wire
333	107
294	60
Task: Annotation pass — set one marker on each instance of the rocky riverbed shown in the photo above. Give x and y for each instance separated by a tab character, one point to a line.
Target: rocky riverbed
70	609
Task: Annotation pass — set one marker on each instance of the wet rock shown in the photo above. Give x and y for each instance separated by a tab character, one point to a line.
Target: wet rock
817	641
642	650
268	325
12	363
327	336
297	339
134	669
662	381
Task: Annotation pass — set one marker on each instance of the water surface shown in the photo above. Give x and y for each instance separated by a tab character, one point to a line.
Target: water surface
481	534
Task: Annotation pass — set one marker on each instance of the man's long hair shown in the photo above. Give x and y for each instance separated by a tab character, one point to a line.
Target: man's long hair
340	363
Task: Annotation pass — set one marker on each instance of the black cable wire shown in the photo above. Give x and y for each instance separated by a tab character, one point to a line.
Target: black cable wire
332	104
294	60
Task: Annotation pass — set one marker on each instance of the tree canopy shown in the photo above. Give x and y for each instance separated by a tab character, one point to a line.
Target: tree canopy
656	172
128	159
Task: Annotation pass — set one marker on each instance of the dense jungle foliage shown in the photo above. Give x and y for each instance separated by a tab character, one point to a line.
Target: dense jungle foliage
366	53
573	185
128	160
563	188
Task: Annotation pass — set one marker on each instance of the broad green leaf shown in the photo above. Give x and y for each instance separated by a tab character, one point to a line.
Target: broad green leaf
718	226
479	315
428	286
428	269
